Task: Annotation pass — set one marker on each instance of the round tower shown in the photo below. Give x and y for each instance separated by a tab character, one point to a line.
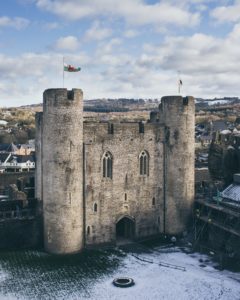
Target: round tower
62	170
178	116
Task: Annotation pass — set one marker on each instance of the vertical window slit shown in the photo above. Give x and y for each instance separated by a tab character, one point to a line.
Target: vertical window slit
153	201
88	230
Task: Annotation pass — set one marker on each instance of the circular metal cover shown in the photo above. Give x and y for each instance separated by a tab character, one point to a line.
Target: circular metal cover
123	282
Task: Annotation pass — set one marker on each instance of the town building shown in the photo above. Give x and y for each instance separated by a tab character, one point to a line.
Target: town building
16	163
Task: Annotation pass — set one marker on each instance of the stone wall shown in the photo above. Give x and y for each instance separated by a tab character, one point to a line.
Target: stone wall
128	193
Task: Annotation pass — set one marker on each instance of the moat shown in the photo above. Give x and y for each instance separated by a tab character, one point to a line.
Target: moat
37	275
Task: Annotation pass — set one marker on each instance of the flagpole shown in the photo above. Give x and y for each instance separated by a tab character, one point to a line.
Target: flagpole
63	71
179	82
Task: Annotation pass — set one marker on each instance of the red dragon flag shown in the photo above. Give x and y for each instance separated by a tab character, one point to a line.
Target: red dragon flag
70	68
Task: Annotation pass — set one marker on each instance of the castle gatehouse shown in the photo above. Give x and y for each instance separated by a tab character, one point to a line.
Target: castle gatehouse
97	182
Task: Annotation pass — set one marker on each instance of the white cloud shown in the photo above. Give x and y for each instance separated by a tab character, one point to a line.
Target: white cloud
28	75
230	13
26	65
207	63
131	33
69	43
17	23
97	32
202	7
184	3
201	53
106	48
208	66
51	25
135	12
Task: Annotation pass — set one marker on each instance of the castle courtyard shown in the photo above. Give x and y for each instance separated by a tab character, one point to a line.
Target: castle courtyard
37	275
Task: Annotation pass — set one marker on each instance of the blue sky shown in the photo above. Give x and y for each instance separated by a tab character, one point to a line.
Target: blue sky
127	48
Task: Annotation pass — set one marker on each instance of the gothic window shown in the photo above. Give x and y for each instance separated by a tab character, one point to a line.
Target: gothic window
107	165
95	207
144	163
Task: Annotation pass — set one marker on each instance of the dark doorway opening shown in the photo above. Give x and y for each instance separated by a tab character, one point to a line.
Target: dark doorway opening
125	229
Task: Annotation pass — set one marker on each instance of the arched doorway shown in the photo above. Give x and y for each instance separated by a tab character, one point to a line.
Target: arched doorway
125	229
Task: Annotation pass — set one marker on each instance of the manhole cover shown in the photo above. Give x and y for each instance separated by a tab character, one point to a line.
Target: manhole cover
123	282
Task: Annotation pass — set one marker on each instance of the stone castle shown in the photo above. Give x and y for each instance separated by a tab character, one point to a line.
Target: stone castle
97	182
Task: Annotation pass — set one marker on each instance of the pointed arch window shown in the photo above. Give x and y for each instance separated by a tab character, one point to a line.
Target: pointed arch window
144	163
107	165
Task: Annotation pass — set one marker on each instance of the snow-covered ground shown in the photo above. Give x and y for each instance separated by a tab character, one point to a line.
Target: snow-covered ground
156	282
214	102
220	101
37	280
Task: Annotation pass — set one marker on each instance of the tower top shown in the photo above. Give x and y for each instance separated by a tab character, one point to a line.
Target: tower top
62	97
176	101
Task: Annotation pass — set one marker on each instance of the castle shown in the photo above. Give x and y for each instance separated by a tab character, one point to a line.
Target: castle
98	182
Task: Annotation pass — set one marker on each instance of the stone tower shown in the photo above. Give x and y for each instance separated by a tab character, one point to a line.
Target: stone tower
178	115
62	170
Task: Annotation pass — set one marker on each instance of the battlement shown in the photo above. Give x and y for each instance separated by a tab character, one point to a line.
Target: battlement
173	111
176	101
62	97
98	131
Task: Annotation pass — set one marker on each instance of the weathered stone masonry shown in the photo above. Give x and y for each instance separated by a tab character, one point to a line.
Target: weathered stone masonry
91	179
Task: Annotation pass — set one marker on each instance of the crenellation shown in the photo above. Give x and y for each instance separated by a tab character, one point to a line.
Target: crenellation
62	98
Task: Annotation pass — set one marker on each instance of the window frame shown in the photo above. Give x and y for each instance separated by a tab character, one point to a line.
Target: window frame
144	159
107	165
